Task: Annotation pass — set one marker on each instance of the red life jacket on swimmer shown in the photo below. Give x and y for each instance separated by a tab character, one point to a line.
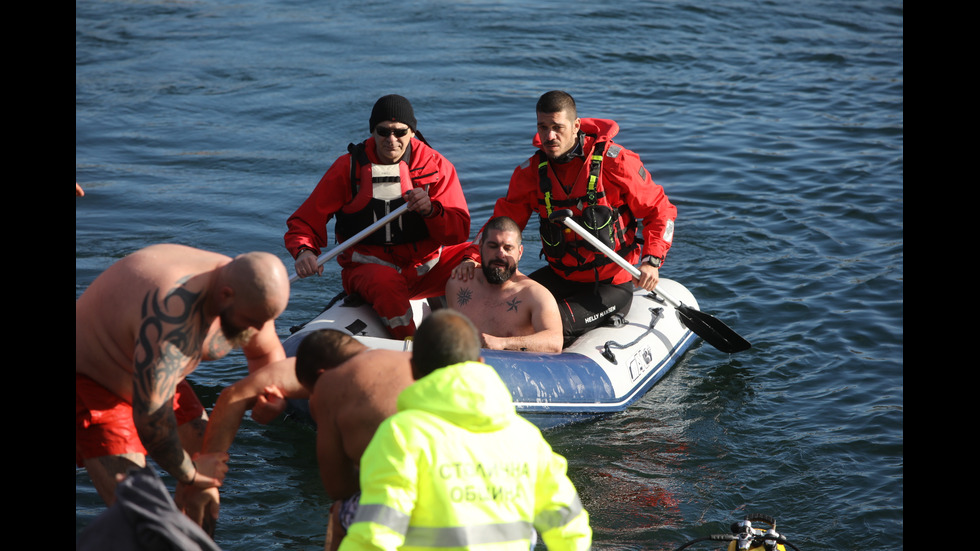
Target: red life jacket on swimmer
614	226
377	190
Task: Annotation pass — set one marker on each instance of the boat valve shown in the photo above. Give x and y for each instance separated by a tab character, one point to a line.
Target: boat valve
608	354
656	314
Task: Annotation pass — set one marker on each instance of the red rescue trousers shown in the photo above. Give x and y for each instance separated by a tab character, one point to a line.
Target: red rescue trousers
389	289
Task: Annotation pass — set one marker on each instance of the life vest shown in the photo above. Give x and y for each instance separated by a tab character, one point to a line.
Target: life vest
377	190
614	226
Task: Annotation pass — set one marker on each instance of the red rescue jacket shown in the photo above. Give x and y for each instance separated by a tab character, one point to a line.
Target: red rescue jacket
449	224
615	178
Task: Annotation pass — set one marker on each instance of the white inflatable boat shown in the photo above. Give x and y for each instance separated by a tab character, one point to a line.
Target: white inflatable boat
602	372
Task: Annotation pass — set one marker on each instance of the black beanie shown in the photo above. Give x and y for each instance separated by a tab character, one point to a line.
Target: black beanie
393	108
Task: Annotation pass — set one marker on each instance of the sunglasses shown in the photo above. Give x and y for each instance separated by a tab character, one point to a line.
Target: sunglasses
384	132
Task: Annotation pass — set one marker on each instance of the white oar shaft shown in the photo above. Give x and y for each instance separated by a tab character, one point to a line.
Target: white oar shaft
358	237
602	247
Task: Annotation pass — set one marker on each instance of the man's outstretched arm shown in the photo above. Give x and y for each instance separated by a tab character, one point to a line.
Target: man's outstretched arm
265	392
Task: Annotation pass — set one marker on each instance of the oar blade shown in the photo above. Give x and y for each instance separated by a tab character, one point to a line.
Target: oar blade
712	330
709	328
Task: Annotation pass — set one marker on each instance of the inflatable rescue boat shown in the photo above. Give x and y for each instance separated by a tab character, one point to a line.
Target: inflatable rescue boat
604	371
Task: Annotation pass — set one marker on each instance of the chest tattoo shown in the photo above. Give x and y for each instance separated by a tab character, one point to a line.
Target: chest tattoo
463	296
512	305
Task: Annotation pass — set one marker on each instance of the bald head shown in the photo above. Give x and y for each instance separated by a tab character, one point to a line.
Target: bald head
445	337
259	280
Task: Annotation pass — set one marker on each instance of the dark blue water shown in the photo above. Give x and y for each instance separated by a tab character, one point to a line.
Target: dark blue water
777	128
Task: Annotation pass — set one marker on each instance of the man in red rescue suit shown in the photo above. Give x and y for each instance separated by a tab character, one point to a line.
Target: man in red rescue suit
607	188
406	259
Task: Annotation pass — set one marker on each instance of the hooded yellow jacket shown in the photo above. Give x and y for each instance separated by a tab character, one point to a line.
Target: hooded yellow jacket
457	468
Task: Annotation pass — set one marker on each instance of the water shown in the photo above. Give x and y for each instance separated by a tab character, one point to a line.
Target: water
777	128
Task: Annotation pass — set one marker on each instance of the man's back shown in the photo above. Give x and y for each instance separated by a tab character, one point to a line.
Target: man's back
109	313
348	403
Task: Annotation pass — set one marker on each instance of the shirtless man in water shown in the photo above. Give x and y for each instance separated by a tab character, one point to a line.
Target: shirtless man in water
351	389
511	310
140	328
347	403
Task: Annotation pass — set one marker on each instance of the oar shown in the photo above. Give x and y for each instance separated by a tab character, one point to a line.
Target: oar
325	257
706	326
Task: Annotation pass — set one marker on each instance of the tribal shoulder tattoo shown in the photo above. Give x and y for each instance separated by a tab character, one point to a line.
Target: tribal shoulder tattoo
171	334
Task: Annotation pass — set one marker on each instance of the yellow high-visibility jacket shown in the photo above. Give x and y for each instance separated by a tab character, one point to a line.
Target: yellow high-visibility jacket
457	468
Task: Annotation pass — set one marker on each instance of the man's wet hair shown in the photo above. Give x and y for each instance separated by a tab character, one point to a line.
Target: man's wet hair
323	349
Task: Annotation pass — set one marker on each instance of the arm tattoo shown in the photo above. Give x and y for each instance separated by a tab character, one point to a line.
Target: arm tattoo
170	336
463	296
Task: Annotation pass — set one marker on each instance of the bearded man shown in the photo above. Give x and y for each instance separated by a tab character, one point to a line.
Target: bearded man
511	310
